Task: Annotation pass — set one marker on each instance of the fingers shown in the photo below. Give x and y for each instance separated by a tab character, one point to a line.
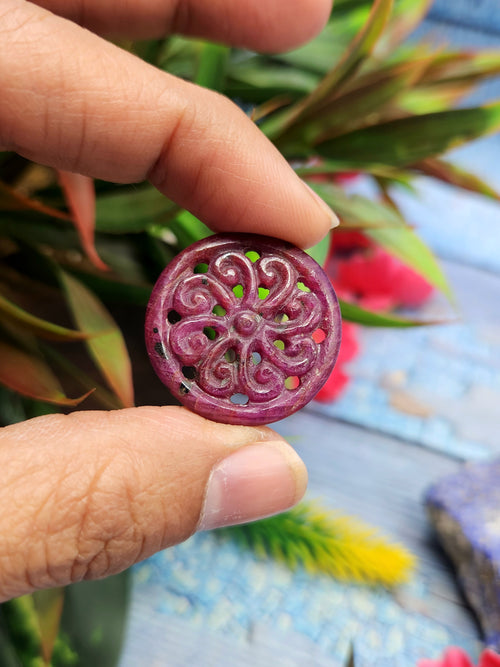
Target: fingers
76	102
274	25
87	495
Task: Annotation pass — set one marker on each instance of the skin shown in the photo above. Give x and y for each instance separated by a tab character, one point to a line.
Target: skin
89	494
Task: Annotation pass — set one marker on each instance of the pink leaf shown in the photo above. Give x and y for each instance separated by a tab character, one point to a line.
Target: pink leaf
79	193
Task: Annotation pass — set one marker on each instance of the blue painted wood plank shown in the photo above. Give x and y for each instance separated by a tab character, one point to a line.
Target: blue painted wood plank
437	386
483	15
208	603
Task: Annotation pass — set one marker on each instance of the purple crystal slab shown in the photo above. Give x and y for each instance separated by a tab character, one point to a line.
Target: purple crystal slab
243	329
465	511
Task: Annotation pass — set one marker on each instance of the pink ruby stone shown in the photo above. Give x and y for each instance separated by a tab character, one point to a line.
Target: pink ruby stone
243	329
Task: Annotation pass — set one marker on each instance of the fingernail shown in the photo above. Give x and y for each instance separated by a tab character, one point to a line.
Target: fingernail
254	482
332	217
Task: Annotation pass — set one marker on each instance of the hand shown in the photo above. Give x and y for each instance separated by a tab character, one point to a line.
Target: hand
87	495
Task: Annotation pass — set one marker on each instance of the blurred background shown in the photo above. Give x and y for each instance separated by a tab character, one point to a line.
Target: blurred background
358	575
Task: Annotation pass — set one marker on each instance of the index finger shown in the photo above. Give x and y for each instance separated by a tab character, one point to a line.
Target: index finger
75	102
273	25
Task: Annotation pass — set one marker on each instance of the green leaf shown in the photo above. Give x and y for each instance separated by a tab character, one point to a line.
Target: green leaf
188	229
148	50
404	244
363	100
38	326
408	14
105	398
212	66
29	375
115	290
94	618
354	313
258	81
106	344
319	252
359	212
432	98
48	605
8	654
21	632
20	624
460	66
361	47
320	54
408	140
133	210
450	173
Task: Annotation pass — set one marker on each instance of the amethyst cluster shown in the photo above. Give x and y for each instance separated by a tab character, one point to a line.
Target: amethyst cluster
465	511
243	329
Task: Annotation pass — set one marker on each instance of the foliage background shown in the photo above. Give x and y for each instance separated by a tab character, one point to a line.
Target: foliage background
350	98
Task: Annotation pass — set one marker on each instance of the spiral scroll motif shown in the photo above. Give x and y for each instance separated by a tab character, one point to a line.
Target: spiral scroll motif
243	329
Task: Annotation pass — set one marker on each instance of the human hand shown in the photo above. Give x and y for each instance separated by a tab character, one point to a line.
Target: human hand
87	495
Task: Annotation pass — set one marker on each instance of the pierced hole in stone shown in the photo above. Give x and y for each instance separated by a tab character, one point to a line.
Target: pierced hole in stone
318	336
239	399
210	333
281	318
279	344
189	372
263	292
303	288
155	329
292	382
202	267
173	317
238	291
252	255
256	358
230	355
183	388
159	350
219	310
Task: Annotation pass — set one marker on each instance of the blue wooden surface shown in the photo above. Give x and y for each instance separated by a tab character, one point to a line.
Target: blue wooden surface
481	15
420	402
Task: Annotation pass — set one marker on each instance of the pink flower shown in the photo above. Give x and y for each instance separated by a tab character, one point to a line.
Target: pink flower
368	275
456	657
338	379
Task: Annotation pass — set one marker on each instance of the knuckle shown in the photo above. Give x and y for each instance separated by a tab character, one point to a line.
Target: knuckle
107	535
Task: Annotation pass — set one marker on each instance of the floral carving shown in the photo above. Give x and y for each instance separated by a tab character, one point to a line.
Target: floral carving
244	328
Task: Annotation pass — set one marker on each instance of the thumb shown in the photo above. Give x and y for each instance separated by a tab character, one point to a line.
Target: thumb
88	494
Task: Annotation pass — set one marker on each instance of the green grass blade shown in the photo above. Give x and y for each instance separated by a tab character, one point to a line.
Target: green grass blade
354	313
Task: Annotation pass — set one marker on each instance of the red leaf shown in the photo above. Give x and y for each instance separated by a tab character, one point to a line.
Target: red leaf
11	200
79	193
31	376
105	342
